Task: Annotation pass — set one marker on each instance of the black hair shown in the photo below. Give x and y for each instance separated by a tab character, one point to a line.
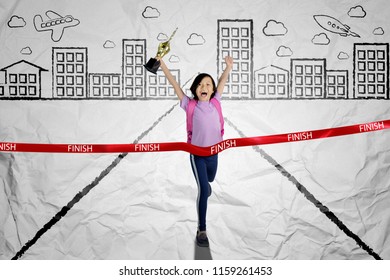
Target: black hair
197	81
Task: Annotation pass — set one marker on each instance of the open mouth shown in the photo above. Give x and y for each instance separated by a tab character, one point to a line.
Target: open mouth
204	94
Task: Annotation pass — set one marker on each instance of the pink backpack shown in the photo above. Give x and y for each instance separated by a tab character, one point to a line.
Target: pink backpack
190	114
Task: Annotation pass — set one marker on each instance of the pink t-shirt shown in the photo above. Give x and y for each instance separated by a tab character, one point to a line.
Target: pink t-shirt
206	125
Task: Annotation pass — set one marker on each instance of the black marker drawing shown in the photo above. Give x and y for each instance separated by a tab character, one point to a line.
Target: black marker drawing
320	39
272	82
22	80
16	22
371	71
162	37
343	56
235	39
196	39
357	12
109	44
150	12
378	31
284	51
26	51
274	28
55	23
333	25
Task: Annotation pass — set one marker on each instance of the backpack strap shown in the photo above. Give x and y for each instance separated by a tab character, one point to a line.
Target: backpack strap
217	105
190	114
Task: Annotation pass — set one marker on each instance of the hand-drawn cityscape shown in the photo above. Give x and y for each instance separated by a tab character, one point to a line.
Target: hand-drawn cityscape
307	78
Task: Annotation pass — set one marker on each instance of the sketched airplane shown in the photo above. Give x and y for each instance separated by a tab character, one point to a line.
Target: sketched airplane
56	24
335	26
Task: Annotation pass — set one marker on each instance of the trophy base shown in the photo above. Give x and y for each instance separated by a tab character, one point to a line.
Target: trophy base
152	65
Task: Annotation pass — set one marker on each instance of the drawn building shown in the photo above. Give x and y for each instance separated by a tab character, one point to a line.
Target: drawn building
308	78
371	71
134	74
70	72
271	82
235	38
104	85
337	84
159	87
22	80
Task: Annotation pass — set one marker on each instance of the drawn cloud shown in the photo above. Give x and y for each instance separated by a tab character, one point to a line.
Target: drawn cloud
320	39
357	12
343	56
274	28
378	31
150	12
26	51
196	39
162	37
284	51
109	44
16	22
174	59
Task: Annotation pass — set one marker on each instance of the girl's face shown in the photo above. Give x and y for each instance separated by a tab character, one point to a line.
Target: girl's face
205	89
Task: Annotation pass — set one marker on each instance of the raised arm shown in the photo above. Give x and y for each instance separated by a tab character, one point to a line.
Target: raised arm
225	75
179	92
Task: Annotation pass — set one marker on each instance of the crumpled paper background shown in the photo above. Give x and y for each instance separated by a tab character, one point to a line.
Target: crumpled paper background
144	207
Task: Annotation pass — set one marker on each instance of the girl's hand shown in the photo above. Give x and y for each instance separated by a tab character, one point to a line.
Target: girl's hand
229	61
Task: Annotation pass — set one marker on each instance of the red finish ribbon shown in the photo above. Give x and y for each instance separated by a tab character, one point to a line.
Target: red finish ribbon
201	151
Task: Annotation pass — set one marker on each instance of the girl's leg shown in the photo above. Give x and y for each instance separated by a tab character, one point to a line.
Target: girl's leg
199	168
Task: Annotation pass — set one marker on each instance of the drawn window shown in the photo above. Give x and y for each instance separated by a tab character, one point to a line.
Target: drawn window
60	80
318	80
298	91
115	91
281	90
245	89
331	91
318	91
361	78
381	55
139	49
13	78
309	70
245	66
96	80
271	78
60	91
129	70
23	78
225	32
96	91
138	60
245	44
106	80
299	69
361	66
79	91
22	90
79	80
79	68
271	90
1	90
309	80
318	70
162	80
371	66
245	55
281	78
371	78
60	68
139	70
70	91
106	91
381	89
138	81
115	80
299	80
13	90
371	89
70	57
244	32
381	66
245	78
236	54
361	55
60	57
32	90
380	77
261	90
308	91
70	68
79	57
341	80
235	32
225	44
32	78
235	44
371	54
262	78
129	49
70	80
331	80
341	90
235	78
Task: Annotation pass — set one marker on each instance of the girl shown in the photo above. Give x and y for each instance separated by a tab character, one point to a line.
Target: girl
206	131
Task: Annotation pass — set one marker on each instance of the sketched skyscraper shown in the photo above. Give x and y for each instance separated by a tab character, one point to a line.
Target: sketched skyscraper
371	71
70	72
133	72
235	38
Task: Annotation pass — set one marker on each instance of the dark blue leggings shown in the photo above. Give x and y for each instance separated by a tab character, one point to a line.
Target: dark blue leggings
204	169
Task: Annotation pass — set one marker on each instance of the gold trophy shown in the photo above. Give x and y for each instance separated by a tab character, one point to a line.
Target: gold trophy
163	48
